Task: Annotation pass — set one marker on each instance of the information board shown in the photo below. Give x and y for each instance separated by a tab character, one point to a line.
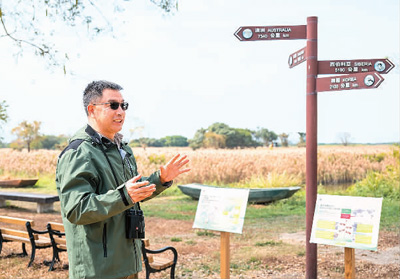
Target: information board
221	209
346	221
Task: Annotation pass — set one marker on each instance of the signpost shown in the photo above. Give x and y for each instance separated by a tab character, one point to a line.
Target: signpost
257	33
311	142
382	66
349	82
361	74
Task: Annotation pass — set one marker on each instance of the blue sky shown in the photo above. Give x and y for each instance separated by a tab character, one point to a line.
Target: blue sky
185	72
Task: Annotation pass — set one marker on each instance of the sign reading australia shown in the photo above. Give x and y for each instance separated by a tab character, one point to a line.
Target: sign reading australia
258	33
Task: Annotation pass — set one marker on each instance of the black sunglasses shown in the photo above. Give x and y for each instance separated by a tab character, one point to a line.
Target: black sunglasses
115	105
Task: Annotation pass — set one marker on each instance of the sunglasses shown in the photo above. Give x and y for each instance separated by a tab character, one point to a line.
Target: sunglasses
115	105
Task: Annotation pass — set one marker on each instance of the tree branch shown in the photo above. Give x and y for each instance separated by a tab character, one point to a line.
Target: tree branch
42	51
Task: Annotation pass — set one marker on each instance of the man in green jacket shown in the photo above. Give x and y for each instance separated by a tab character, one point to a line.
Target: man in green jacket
98	183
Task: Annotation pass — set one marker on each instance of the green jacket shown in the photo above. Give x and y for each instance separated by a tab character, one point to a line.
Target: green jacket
93	206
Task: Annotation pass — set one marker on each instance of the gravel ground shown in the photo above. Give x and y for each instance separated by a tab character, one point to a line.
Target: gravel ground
199	255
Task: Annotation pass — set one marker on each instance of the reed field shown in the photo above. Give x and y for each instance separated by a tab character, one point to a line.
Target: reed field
272	244
257	167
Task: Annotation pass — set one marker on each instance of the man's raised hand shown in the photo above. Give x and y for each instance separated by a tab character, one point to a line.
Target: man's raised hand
173	168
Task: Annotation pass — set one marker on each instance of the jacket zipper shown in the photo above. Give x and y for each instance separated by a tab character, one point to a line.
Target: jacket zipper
134	248
105	240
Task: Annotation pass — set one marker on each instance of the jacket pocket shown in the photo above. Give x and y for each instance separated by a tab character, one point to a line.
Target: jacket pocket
105	240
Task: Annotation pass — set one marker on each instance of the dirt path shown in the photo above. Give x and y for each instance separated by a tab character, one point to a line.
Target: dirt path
387	254
282	257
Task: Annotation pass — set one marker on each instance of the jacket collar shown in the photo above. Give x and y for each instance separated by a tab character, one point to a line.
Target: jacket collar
100	139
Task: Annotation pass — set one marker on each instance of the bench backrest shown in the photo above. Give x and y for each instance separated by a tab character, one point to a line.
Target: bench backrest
57	228
14	232
16	221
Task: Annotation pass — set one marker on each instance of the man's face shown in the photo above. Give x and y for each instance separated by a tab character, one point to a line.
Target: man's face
108	122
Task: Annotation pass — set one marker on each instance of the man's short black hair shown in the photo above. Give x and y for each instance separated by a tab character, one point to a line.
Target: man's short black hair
94	91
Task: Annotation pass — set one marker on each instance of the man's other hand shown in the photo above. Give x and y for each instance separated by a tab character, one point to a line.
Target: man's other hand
138	191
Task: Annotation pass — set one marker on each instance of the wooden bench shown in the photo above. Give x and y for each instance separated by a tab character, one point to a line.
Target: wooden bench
28	235
44	202
156	264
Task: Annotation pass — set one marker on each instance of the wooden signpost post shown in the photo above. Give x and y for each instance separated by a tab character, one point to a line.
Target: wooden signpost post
223	210
361	74
347	221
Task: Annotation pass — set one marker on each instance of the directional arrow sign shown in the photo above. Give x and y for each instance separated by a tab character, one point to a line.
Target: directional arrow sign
383	66
348	82
297	57
257	33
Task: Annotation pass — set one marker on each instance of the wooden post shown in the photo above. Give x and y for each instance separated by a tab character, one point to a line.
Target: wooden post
349	263
311	143
225	255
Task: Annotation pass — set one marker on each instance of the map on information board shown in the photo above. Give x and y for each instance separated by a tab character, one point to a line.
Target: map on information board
346	221
221	209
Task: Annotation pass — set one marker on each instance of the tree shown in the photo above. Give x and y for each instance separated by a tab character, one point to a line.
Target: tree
240	138
266	136
197	141
233	137
35	24
345	138
213	140
175	141
3	114
302	139
27	132
49	142
142	140
284	139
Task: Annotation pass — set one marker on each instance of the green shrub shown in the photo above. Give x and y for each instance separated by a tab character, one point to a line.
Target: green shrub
176	239
268	243
157	159
385	184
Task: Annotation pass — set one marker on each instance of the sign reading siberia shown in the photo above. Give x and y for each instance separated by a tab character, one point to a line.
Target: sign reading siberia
348	82
256	33
221	209
382	66
345	221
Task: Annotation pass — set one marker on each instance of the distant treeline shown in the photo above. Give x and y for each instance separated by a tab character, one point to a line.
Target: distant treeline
217	135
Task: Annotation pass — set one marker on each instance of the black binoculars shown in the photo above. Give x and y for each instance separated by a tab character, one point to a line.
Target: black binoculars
134	224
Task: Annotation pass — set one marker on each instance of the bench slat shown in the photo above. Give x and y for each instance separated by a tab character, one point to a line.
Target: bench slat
57	226
43	241
60	240
61	246
161	263
15	238
146	242
17	233
156	262
150	258
14	220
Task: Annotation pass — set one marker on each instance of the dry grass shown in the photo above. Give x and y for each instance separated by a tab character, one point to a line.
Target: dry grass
336	164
